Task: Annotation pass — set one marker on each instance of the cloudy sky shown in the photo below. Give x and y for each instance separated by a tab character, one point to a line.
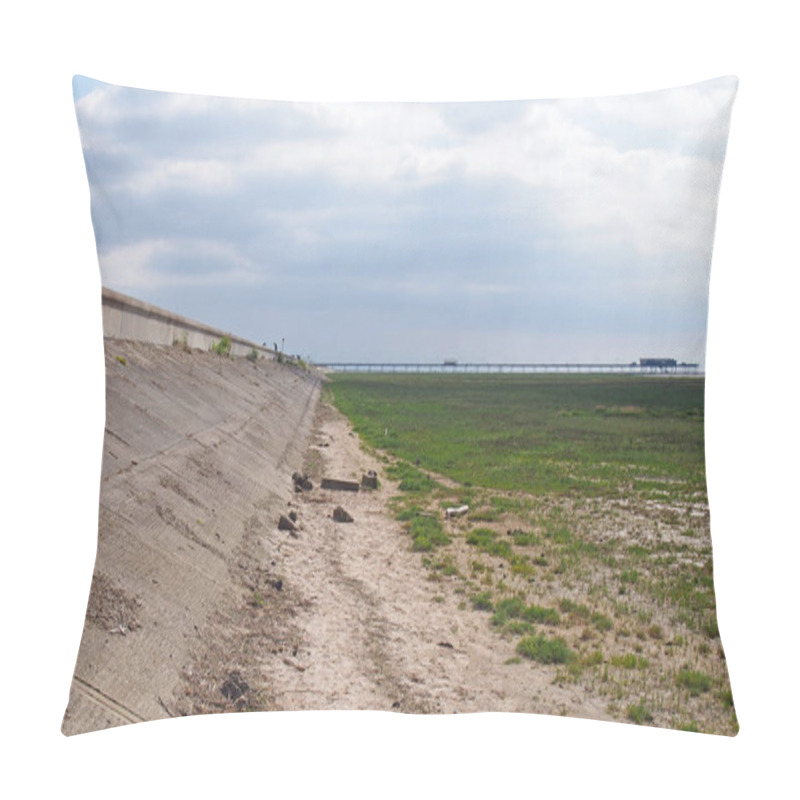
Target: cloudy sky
543	231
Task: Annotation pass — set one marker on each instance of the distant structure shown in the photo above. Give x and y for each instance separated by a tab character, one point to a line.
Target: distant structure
669	366
660	364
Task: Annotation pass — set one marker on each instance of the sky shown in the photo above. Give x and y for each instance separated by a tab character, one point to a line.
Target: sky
516	231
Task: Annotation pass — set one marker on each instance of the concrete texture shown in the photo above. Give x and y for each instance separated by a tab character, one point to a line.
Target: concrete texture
127	318
199	449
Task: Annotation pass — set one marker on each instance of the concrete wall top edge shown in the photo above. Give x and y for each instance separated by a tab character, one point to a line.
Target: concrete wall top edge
125	303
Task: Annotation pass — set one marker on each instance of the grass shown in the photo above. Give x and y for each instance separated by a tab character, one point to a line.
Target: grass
544	650
223	346
515	608
693	681
537	433
639	714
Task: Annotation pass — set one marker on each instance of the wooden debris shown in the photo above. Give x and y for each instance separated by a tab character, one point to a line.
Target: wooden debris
344	486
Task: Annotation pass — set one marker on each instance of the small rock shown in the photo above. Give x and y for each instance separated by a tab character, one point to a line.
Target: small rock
340	515
234	687
293	516
285	524
301	482
370	480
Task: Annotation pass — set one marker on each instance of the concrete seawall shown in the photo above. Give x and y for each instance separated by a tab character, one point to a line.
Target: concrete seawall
134	320
198	455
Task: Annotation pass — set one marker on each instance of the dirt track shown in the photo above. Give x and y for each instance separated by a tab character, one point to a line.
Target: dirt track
372	631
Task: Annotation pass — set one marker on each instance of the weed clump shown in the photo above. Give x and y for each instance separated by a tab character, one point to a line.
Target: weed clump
223	346
486	539
483	602
639	714
545	651
694	682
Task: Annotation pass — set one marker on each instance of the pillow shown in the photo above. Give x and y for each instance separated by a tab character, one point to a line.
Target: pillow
404	407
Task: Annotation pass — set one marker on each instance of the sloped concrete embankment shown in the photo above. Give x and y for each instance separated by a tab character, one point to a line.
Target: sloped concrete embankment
198	453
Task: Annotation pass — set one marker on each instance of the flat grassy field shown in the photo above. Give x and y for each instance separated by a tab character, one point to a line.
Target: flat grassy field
570	434
587	539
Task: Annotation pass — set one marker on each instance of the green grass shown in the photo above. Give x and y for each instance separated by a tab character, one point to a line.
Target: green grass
639	714
694	682
483	602
515	608
537	433
545	651
223	346
426	532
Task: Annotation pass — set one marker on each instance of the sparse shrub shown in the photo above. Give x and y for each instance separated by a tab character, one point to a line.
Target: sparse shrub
639	714
545	616
426	533
518	628
594	659
482	601
411	479
630	661
507	608
655	632
514	607
726	696
223	346
711	628
602	622
252	355
694	682
544	650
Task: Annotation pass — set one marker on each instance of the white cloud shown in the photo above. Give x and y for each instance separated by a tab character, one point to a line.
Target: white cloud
141	266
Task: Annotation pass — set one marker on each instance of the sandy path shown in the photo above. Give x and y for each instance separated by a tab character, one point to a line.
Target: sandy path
372	631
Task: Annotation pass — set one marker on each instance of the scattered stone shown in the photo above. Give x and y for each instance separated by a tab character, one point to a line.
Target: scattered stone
340	515
234	687
446	644
370	480
293	516
301	482
285	524
278	585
